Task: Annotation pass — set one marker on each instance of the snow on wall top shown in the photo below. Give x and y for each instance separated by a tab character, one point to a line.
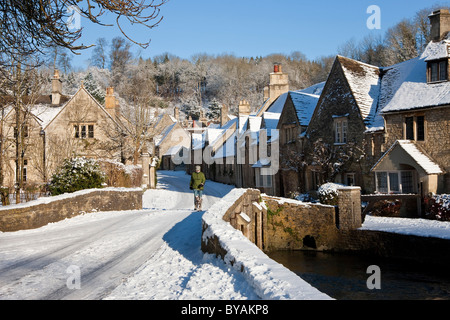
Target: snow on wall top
405	87
271	280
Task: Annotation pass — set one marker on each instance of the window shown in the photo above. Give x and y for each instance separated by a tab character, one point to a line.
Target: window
340	129
91	131
395	182
420	128
414	128
409	125
350	179
382	182
83	131
407	182
24	170
24	132
443	70
438	71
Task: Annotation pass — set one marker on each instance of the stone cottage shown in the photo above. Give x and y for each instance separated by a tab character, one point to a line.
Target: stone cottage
343	135
415	105
386	129
58	127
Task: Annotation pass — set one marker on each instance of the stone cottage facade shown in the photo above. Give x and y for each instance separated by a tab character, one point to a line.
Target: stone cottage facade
385	129
57	129
344	126
415	103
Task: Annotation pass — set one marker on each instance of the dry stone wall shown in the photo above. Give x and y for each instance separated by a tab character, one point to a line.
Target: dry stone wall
38	213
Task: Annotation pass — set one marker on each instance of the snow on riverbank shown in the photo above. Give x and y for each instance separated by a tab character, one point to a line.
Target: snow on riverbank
416	227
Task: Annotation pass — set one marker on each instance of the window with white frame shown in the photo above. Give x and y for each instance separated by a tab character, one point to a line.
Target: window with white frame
396	182
340	130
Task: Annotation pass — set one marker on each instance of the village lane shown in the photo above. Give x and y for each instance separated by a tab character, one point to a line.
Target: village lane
89	256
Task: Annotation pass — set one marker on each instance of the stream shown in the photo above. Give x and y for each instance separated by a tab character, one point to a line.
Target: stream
345	276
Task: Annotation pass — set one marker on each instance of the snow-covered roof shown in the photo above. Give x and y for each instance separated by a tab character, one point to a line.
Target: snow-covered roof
438	50
228	149
278	105
304	104
198	140
405	87
420	158
364	82
271	120
45	113
315	89
164	134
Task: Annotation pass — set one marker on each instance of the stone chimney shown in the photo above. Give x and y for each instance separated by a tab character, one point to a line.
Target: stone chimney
279	82
176	114
110	102
56	88
223	115
440	24
244	108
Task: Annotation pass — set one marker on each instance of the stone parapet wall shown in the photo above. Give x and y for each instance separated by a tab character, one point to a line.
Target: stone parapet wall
220	238
35	214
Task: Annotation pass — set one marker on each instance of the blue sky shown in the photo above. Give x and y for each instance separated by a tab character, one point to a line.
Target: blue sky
257	27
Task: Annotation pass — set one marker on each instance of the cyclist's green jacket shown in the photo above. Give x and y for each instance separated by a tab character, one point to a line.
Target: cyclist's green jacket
197	181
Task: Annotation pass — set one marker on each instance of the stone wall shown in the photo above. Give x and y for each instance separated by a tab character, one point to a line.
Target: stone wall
437	136
38	213
293	225
349	204
229	243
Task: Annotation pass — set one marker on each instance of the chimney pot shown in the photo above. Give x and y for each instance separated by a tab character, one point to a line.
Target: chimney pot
56	88
110	102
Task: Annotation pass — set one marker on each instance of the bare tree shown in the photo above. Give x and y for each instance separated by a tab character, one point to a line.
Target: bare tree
120	58
99	55
29	26
23	86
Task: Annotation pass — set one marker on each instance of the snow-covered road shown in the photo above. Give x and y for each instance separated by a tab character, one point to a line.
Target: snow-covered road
152	253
